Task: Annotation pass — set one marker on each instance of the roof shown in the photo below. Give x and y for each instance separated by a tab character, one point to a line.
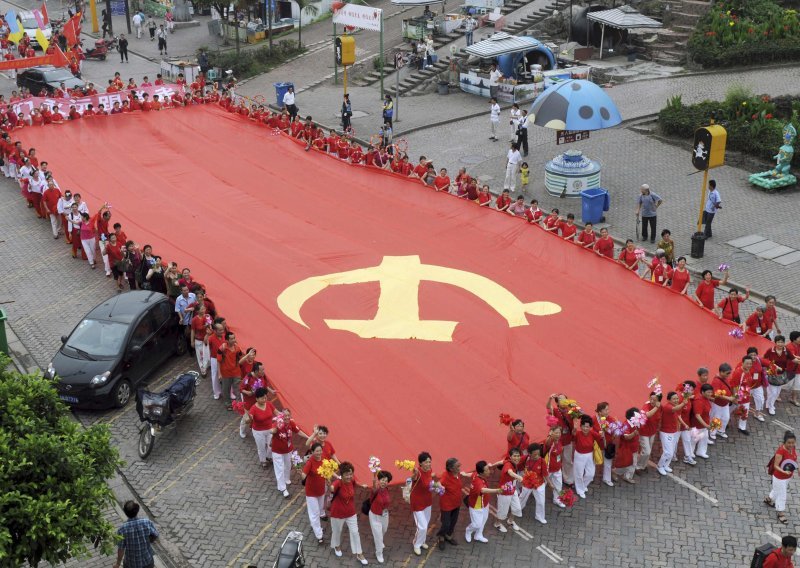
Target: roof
624	18
416	2
502	43
125	307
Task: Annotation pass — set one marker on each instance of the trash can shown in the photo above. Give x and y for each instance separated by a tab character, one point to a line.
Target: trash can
593	202
443	87
3	337
280	90
698	245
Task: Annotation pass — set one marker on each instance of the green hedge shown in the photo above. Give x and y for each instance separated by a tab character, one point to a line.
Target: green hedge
252	62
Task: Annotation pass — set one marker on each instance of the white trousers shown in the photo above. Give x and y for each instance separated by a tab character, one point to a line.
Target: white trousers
352	529
626	472
645	449
216	387
282	464
494	124
667	448
244	428
202	355
88	247
607	464
314	505
421	519
477	520
506	502
567	464
263	439
743	423
758	398
688	444
724	414
379	525
778	493
772	395
538	496
555	479
511	177
55	223
700	441
584	471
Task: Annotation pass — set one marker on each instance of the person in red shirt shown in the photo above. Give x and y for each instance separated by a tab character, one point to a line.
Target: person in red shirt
503	201
670	425
681	277
704	293
534	214
478	502
214	342
793	347
535	480
728	308
315	486
442	181
604	246
450	500
659	272
584	439
587	237
283	430
723	397
553	451
259	417
517	437
156	104
551	222
421	500
648	431
405	168
742	381
343	512
701	420
146	104
601	421
356	154
560	414
624	460
379	502
782	557
421	169
228	357
159	80
568	228
628	257
200	326
508	499
755	321
50	200
770	318
784	466
687	393
780	357
320	434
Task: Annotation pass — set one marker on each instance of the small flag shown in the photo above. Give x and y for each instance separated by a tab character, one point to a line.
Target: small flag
39	19
45	15
43	41
11	20
14	37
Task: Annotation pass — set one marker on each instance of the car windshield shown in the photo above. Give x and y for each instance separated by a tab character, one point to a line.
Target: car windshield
98	339
30	24
58	76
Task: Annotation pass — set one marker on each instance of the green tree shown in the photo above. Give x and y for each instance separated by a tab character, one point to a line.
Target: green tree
53	473
310	8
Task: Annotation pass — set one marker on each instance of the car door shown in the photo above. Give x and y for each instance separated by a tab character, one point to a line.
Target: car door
163	316
36	82
143	352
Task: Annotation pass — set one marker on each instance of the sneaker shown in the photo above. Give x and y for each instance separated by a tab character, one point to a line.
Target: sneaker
363	561
423	546
582	495
288	482
661	470
704	456
668	469
467	537
771	412
544	522
379	558
711	442
500	527
337	552
760	418
242	435
609	483
723	435
216	397
481	539
689	461
285	493
514	526
674	459
417	550
560	504
745	432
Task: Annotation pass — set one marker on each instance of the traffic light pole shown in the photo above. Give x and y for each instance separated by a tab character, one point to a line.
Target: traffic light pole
335	63
702	201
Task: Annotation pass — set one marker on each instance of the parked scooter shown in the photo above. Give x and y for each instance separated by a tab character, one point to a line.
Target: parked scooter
159	410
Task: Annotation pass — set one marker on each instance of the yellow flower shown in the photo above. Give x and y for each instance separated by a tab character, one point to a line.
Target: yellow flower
730	23
744	104
327	469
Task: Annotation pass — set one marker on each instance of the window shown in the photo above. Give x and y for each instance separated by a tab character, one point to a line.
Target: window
162	313
98	338
143	330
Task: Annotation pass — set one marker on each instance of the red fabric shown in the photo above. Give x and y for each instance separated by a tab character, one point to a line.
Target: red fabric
343	504
315	483
311	366
262	419
776	559
421	496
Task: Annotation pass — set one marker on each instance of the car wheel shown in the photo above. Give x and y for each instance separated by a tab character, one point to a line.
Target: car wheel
180	347
121	393
102	58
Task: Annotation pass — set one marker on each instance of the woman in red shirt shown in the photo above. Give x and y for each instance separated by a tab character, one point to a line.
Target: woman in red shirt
251	382
115	251
704	293
315	489
517	437
553	449
779	355
647	433
478	502
584	440
421	500
450	500
379	510
670	420
625	455
755	321
508	498
685	434
559	413
728	308
627	256
343	512
602	420
535	474
259	418
283	429
784	464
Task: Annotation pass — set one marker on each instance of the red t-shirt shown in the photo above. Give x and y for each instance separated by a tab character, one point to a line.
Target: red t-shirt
705	291
770	315
777	560
343	503
669	418
553	456
686	413
519	441
679	280
476	499
653	423
380	501
421	170
551	221
228	358
784	455
720	384
506	478
503	200
315	483
451	499
50	198
442	183
584	443
605	246
262	418
585	238
282	439
754	324
702	406
628	257
421	496
327	450
567	231
533	216
662	273
730	309
251	383
199	326
538	467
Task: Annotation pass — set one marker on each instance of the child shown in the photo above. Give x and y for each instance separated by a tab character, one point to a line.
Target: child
524	174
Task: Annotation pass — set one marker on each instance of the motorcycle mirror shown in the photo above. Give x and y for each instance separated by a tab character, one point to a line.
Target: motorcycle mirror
64	339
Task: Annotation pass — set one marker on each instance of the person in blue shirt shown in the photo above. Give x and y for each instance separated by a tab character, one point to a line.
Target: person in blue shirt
136	548
649	203
713	204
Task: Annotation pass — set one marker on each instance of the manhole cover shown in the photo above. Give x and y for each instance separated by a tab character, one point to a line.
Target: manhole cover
473	159
356	114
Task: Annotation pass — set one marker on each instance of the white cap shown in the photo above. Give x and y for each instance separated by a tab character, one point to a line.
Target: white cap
645	186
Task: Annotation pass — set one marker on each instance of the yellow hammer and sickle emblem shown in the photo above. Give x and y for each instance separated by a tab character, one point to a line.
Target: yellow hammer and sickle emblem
398	306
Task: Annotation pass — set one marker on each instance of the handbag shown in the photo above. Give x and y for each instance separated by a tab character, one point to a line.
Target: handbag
123	265
610	452
597	454
777	380
366	504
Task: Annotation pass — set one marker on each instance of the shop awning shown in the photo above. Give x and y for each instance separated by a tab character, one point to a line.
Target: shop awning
416	2
502	43
623	18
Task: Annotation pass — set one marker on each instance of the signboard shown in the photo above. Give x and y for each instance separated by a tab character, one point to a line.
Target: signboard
358	16
568	136
709	147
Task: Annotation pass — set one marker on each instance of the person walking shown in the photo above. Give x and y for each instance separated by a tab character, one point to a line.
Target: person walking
512	167
123	48
713	204
494	81
450	500
522	133
494	118
161	34
648	204
478	502
515	115
347	112
379	510
388	110
135	550
137	24
151	27
469	28
782	467
343	512
421	500
289	103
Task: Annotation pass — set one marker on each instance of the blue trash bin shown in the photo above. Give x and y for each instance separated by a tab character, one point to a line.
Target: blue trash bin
280	90
593	203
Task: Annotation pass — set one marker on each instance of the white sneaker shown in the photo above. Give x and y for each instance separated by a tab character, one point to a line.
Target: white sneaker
662	471
337	552
723	435
560	504
379	558
668	469
242	435
689	461
285	493
760	418
582	495
711	442
704	456
216	397
771	412
609	483
543	521
514	526
288	482
500	527
363	561
468	537
481	539
423	546
417	550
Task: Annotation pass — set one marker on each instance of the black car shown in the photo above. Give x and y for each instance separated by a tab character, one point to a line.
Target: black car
115	348
47	78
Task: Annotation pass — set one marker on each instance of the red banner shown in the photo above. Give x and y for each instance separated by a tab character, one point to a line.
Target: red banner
72	29
56	59
106	99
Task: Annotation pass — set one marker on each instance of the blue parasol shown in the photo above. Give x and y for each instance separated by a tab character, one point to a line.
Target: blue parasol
575	104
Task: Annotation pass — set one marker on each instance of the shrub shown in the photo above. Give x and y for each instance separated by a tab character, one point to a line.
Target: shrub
255	61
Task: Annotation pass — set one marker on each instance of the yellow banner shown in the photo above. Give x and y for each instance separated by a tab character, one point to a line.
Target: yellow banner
42	40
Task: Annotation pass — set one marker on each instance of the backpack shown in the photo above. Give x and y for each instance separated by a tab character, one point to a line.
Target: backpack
771	466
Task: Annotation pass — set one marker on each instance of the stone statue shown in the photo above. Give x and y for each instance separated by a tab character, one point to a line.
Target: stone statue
780	175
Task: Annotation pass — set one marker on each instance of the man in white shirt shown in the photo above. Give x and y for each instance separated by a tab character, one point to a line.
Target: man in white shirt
289	105
494	80
512	167
494	118
64	205
137	24
469	28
